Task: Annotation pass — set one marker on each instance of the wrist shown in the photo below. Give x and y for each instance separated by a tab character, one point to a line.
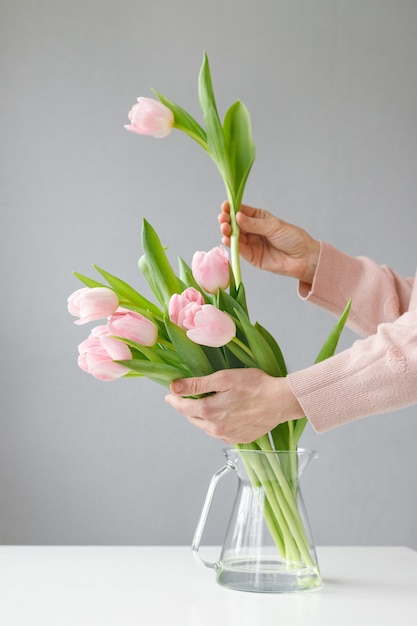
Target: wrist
294	409
288	407
312	258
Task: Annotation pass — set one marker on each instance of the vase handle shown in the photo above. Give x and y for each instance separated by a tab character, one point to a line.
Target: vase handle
204	515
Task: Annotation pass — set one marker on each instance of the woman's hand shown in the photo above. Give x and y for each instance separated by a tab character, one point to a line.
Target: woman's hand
246	403
271	244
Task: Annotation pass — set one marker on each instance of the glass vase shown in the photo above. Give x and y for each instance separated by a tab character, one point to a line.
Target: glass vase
268	545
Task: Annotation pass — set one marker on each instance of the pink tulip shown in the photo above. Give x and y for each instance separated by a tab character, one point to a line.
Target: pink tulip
211	269
96	355
92	304
150	117
208	326
179	302
133	326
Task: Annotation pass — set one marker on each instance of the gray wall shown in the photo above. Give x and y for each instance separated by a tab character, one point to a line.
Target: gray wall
332	90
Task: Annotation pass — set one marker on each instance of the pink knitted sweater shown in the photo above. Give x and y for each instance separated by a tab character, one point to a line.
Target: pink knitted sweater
378	373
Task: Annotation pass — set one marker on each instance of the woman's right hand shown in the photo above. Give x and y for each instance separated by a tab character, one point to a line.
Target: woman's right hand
271	244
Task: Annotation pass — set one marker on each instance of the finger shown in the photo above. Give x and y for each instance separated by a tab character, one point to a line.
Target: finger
263	224
196	386
197	421
248	210
225	207
225	228
210	428
223	218
186	406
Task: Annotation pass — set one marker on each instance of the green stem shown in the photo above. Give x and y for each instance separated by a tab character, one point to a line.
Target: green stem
269	515
243	347
234	242
261	477
166	343
235	259
276	499
283	503
290	509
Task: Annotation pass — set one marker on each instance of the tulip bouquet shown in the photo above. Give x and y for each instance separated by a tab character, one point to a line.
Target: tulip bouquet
200	322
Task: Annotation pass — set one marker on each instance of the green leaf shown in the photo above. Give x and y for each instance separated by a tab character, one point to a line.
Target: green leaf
240	355
156	354
259	347
89	282
162	279
149	277
215	138
281	436
232	361
184	121
191	354
151	354
238	293
232	284
158	372
274	347
216	357
241	297
125	291
332	340
299	426
229	304
186	276
240	147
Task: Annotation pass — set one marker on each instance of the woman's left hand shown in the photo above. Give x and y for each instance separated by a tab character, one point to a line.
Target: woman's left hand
244	403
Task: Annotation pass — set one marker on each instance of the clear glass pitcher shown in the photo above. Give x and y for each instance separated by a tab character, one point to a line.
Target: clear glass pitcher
268	545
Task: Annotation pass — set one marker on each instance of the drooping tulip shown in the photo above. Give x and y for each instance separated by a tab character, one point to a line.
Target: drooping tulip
150	117
98	352
211	270
179	302
134	326
208	326
92	304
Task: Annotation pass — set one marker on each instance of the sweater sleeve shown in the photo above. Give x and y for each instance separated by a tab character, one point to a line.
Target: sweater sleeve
376	374
378	293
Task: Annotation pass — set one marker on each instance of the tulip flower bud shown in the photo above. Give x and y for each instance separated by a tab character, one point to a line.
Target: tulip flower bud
208	326
133	326
92	304
96	355
211	269
150	117
179	302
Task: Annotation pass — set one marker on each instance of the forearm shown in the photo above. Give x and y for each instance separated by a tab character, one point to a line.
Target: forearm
375	375
378	293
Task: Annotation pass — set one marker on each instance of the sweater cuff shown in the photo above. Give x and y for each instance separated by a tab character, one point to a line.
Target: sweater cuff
328	391
327	289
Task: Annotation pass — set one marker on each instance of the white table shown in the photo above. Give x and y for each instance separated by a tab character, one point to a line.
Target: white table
163	586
